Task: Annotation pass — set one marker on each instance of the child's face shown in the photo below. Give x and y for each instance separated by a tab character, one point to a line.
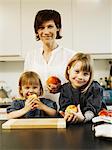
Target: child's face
77	76
30	89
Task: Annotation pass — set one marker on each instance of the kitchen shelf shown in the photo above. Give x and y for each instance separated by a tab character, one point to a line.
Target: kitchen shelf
102	56
20	58
11	58
4	105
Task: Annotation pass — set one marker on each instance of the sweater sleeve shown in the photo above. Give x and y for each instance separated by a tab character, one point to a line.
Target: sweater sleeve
64	98
49	103
15	105
88	116
94	98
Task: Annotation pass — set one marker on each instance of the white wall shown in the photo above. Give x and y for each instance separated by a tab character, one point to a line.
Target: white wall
10	72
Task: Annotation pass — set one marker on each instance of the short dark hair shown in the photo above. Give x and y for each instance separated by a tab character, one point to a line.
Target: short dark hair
46	15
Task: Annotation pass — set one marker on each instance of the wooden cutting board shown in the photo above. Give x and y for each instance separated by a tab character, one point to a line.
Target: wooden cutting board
34	123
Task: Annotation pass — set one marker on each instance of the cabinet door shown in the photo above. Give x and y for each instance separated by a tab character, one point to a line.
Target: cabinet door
91	21
10	27
29	8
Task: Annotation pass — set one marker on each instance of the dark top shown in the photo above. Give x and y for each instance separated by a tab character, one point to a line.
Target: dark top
91	100
36	113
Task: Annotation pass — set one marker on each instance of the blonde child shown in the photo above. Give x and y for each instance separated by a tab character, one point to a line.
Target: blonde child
80	90
31	107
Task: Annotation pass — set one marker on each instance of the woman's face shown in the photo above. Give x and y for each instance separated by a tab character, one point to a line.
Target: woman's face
47	32
77	76
30	89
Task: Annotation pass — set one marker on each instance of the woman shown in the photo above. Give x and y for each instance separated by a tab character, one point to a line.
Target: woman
51	59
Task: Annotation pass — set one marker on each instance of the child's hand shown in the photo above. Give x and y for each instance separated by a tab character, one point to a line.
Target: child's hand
29	104
62	113
72	116
78	116
67	116
38	104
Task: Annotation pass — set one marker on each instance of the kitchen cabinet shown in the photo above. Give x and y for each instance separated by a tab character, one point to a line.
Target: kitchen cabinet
86	26
29	8
92	26
10	28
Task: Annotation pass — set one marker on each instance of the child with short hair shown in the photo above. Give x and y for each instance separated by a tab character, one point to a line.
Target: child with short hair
80	90
29	106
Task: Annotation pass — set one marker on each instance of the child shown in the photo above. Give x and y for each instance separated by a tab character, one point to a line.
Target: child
81	90
29	106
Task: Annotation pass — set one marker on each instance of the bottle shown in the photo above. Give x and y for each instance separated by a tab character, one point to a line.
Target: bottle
110	75
101	82
106	83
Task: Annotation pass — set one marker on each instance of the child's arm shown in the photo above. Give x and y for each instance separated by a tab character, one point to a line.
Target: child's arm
18	113
93	99
65	97
48	110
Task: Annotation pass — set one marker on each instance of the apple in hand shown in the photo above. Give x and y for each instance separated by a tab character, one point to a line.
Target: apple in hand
53	84
32	96
71	108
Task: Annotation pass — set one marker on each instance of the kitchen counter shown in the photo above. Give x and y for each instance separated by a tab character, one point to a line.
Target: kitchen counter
74	137
3	114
